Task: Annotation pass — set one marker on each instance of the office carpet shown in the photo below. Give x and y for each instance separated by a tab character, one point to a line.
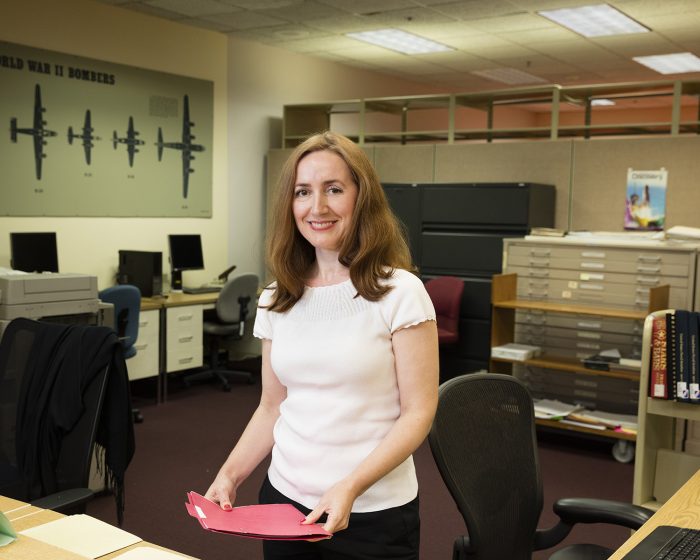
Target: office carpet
182	443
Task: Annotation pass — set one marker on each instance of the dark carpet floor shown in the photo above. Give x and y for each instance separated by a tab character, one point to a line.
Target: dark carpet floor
182	443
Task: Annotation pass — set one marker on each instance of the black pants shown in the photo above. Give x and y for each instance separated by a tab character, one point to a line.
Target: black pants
392	533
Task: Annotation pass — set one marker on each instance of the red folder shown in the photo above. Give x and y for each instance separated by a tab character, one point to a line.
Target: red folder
265	521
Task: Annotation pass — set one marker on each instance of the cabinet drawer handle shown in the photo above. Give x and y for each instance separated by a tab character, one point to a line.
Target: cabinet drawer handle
540	273
643	291
185	317
598	265
186	360
591	345
539	252
638	301
538	263
185	338
586	276
591	335
592	255
589	325
648	269
649	258
597	287
543	285
650	280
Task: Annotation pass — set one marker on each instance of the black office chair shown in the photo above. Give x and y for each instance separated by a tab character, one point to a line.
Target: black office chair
126	299
236	304
64	388
483	441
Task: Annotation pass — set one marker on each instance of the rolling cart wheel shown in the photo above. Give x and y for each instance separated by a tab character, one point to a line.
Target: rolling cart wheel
623	451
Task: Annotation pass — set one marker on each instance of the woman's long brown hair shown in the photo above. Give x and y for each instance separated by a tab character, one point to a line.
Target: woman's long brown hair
373	247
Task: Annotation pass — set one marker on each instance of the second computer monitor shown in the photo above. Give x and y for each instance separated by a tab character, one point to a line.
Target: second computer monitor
34	252
185	254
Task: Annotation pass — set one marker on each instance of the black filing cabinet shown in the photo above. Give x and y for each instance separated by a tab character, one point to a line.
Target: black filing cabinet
457	229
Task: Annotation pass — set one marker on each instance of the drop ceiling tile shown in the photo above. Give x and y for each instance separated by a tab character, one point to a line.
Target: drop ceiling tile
305	11
319	44
441	32
643	9
528	37
473	43
407	18
509	23
343	24
287	33
469	10
503	52
369	6
213	25
155	11
457	61
629	46
193	8
409	64
246	20
261	4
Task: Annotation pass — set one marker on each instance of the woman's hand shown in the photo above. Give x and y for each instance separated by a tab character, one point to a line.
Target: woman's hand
222	491
337	503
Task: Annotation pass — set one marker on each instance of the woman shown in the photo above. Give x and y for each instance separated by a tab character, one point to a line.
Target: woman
349	363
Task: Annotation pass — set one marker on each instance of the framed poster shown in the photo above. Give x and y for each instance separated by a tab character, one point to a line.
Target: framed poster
645	206
91	138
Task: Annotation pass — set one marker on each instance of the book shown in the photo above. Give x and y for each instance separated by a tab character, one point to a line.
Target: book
604	362
658	387
693	357
671	357
681	334
547	232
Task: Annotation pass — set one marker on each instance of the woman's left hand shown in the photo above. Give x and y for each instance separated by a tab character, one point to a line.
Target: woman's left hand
337	503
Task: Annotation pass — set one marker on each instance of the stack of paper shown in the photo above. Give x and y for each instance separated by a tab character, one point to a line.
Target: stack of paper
554	410
265	521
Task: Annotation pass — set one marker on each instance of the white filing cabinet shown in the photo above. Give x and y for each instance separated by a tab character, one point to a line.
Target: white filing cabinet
145	362
183	331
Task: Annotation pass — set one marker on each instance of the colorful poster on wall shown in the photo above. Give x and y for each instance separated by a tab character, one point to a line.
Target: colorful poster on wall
83	137
645	207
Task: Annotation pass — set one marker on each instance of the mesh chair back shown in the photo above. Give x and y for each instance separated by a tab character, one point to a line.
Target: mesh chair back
127	306
446	295
238	293
483	441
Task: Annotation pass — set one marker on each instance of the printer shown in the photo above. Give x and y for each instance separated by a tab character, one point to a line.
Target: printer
35	296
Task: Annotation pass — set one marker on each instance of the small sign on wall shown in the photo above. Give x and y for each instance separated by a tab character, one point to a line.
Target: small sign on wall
645	206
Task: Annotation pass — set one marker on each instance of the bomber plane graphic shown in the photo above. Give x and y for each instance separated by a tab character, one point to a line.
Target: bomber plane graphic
86	136
38	131
130	140
186	146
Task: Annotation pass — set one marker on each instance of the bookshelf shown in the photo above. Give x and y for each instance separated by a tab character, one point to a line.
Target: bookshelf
504	305
657	464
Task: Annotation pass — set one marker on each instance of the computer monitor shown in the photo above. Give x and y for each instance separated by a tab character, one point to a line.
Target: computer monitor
185	254
34	252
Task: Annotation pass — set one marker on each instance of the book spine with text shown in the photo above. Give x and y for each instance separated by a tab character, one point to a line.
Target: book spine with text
694	358
671	357
658	387
682	331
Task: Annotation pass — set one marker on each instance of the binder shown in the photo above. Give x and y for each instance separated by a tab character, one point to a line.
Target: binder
682	338
694	357
264	521
671	357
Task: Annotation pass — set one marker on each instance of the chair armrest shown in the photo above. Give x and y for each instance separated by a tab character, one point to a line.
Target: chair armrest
64	500
588	510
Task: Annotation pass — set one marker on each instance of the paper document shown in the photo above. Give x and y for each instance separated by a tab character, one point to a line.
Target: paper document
150	553
83	535
265	521
546	408
7	533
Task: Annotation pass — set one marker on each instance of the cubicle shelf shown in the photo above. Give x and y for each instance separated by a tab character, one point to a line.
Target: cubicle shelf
504	304
673	409
555	424
574	366
302	120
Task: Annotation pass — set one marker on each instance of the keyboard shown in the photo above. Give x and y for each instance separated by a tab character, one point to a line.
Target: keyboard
667	542
202	290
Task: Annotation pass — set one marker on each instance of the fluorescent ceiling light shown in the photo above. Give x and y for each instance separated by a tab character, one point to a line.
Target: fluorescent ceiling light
602	102
400	41
594	21
510	76
678	63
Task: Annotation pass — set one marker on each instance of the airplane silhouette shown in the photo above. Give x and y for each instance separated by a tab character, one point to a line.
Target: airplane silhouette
186	146
130	140
86	136
38	131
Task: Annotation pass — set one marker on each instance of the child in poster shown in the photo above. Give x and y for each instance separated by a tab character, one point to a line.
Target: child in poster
646	200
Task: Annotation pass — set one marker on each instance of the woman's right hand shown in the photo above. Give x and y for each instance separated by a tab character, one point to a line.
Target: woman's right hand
222	491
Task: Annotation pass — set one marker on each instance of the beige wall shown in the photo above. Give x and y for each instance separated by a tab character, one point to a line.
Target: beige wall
93	30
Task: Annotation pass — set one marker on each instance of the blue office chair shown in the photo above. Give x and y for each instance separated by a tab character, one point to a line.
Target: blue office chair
127	306
236	304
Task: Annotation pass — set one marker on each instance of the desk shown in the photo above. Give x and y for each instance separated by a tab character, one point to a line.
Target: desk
682	510
170	336
31	516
